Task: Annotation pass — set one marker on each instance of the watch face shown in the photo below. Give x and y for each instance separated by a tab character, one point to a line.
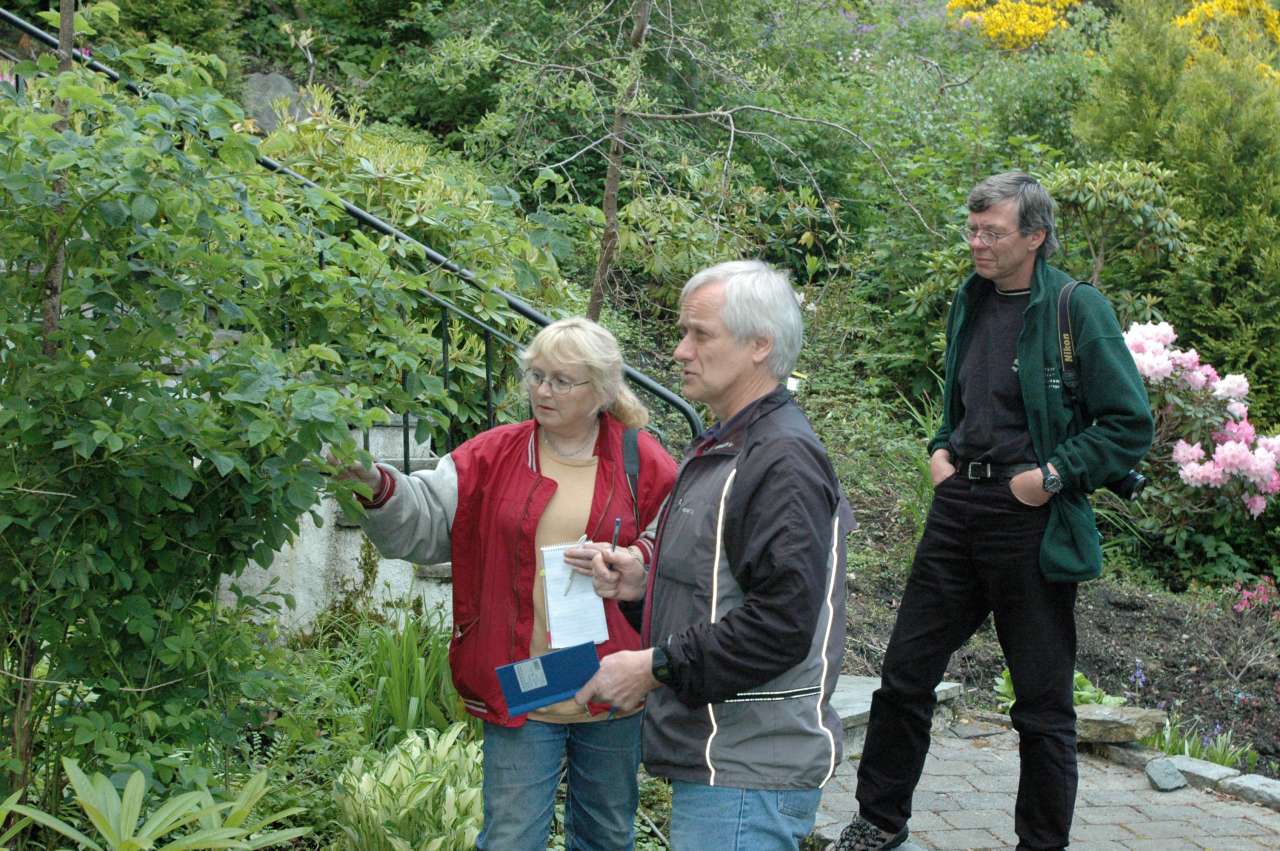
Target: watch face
1052	483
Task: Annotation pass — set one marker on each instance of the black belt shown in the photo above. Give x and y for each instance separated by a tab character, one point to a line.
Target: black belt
981	470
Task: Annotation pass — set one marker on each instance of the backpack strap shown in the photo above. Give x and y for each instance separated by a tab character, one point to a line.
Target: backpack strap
631	464
1067	349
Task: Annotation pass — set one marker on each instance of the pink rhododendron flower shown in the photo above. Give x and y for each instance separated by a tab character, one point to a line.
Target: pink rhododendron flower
1196	379
1233	386
1262	468
1202	475
1241	432
1187	453
1190	359
1233	457
1256	504
1239	410
1210	374
1153	366
1273	485
1271	444
1149	337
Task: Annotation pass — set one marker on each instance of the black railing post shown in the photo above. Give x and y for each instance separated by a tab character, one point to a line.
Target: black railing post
404	424
444	354
488	379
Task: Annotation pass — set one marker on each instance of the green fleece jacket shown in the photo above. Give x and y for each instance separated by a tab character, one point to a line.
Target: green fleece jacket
1118	427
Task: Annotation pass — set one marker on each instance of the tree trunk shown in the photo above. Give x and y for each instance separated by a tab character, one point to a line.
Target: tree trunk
613	176
54	273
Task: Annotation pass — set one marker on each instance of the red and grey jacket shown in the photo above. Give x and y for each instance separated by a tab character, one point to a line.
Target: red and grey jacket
747	597
480	509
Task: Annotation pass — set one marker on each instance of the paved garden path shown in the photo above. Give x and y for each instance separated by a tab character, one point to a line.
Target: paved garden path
965	800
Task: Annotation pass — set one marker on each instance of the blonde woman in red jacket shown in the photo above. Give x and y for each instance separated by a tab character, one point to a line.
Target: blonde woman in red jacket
489	507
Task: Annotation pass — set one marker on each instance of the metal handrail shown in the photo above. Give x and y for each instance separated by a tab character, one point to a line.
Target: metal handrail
367	219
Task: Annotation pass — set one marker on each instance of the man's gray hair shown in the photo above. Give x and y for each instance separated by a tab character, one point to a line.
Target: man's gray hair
1035	207
758	303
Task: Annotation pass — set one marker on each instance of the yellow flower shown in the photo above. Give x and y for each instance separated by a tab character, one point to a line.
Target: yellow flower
1201	15
1011	24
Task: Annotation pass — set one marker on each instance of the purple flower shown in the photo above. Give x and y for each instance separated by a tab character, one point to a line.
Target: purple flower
1138	677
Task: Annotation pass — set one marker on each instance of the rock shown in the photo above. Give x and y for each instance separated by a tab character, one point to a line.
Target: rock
263	90
1116	724
975	729
1201	773
1254	787
1129	754
1164	775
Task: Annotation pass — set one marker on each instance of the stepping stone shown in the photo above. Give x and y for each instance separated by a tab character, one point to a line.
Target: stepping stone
1164	775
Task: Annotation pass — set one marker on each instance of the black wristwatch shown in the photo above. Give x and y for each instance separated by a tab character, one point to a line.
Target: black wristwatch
1052	483
661	666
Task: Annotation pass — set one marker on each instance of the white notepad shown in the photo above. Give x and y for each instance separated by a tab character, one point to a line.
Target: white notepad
575	614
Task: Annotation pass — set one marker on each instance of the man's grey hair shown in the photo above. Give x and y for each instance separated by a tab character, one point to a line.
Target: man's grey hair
1035	207
758	303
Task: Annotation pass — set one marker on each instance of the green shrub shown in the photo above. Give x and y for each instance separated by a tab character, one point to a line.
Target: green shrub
164	423
1206	112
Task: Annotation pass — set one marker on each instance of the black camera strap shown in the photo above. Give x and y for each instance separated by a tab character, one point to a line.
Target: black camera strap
1067	351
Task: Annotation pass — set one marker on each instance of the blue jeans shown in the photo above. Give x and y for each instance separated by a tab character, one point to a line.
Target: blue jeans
724	818
522	770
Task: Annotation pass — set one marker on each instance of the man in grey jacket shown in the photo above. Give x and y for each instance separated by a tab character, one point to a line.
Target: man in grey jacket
745	602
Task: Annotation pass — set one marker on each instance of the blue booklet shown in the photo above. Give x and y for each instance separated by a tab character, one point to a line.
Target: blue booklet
543	680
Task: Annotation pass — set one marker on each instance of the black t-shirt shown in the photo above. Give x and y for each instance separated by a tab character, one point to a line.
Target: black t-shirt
994	425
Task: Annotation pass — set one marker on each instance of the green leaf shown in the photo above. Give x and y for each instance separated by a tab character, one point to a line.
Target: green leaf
143	208
259	430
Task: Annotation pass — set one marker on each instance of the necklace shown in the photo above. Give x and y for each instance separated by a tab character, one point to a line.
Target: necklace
577	450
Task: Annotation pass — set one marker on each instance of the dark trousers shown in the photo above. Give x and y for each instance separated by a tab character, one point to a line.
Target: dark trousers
979	554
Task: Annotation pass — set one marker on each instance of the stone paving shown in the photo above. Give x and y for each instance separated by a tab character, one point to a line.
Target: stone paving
965	800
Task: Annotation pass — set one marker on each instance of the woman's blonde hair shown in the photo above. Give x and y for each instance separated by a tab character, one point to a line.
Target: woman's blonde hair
578	340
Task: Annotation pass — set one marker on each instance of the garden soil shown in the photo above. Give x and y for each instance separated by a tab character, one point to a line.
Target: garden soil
1193	656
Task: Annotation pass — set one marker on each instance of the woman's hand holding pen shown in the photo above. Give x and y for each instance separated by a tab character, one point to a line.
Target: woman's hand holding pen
616	574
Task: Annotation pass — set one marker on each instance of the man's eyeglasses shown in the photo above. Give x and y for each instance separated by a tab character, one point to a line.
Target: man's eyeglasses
558	383
987	237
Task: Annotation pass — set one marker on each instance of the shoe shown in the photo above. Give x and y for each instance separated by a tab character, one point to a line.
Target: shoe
862	835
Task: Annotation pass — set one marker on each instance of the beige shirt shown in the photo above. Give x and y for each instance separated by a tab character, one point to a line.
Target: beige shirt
563	522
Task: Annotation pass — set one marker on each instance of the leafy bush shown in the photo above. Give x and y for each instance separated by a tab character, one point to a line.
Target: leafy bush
176	357
424	794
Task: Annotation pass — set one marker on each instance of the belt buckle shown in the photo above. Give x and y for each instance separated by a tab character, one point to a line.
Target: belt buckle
977	470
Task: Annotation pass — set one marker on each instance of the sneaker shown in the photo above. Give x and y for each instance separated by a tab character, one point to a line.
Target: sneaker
862	835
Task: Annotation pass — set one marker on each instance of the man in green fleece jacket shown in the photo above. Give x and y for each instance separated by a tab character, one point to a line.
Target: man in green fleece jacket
1010	531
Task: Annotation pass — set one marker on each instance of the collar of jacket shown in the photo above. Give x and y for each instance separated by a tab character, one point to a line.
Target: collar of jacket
727	438
1046	281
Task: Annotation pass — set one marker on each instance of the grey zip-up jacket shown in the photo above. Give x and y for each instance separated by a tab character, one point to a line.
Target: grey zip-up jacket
747	595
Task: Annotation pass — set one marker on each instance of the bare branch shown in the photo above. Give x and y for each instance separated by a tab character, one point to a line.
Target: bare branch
727	113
